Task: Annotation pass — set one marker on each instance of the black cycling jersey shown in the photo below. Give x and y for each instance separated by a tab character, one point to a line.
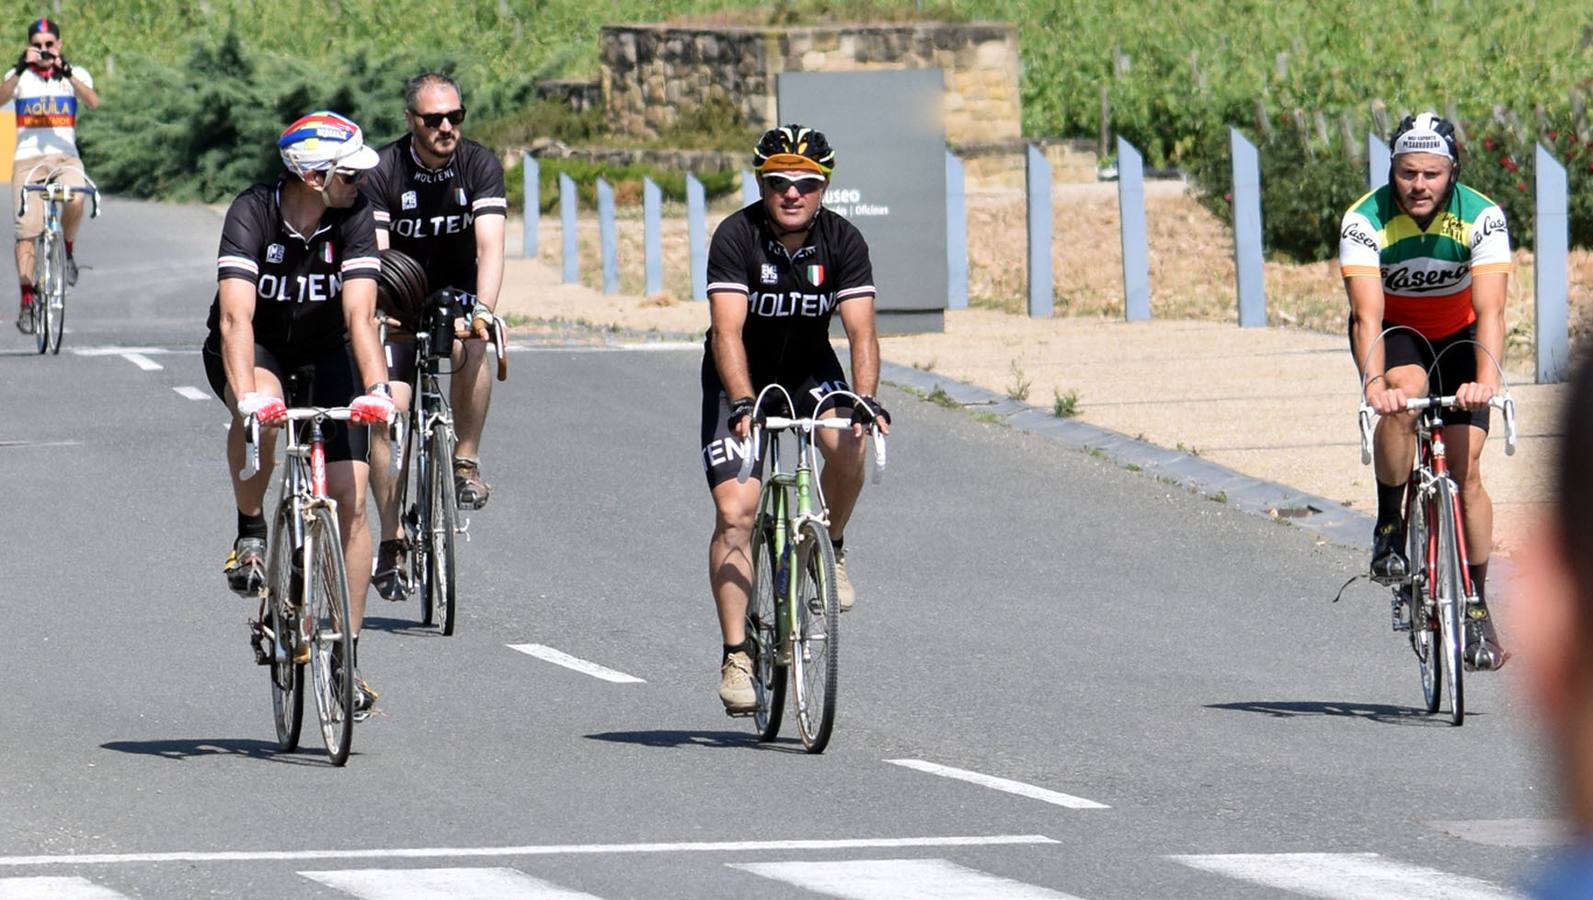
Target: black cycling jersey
298	278
790	296
430	214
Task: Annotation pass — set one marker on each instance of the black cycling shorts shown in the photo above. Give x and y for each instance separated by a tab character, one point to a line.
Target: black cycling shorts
324	379
1457	366
722	452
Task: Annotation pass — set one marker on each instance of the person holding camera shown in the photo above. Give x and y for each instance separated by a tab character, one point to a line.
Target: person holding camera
47	90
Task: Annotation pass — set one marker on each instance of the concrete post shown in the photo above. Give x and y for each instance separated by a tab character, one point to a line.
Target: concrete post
1377	162
572	253
1041	288
1551	267
956	234
533	205
697	235
608	236
1136	246
653	235
1247	230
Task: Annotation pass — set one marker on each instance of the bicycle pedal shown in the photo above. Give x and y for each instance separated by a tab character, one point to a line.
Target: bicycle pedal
740	713
256	638
464	529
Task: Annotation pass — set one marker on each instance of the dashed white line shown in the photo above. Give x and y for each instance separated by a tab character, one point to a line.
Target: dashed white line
143	362
560	658
878	879
1001	784
113	350
191	392
55	888
91	859
1346	876
443	884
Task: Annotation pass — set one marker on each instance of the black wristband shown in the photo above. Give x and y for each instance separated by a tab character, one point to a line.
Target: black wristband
868	410
740	409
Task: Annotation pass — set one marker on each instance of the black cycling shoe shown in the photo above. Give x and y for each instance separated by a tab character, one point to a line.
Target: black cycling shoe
25	318
245	568
1388	556
1483	650
71	270
392	568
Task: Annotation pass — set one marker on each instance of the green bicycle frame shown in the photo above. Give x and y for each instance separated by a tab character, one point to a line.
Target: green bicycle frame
778	491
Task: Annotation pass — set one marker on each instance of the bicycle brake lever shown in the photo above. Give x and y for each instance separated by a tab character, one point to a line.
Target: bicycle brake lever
879	456
1510	426
251	448
501	344
746	460
1364	417
395	443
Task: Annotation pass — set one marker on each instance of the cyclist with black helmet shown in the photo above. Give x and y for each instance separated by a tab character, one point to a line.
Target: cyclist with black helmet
297	297
440	198
1433	255
777	271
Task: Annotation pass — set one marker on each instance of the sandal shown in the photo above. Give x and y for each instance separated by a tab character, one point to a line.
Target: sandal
469	489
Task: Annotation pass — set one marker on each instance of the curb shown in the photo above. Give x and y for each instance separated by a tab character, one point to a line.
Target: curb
1279	502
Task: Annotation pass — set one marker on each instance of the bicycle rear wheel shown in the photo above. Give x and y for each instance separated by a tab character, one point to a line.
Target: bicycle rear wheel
282	595
814	652
331	634
763	629
55	297
443	503
1451	598
1424	627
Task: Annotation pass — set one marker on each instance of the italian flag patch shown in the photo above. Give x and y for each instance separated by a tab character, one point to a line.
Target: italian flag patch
326	252
815	275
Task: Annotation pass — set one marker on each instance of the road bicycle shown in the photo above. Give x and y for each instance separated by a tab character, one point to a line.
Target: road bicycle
51	275
1434	600
304	616
793	614
431	516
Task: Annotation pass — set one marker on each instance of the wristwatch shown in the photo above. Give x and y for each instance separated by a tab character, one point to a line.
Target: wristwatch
380	388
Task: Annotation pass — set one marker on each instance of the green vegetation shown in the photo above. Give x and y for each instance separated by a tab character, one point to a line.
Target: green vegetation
1065	406
1019	388
626	181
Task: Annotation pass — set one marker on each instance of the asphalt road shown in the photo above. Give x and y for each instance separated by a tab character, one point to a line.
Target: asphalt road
1177	708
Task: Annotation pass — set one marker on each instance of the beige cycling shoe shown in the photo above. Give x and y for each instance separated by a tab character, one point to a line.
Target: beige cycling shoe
735	684
844	593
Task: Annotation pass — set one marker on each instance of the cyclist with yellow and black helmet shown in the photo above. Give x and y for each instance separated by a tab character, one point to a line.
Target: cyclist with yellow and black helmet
777	271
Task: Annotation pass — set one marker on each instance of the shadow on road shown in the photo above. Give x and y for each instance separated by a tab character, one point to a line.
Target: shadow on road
1383	713
399	626
201	747
695	739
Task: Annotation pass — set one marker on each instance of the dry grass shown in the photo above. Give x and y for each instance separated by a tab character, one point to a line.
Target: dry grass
1191	264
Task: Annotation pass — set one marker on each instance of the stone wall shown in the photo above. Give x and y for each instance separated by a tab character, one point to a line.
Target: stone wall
651	73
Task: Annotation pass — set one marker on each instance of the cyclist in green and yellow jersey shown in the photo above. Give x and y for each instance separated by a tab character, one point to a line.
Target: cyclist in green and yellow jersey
1430	254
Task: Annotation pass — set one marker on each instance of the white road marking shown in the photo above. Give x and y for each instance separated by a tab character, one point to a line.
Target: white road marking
1346	876
560	658
1000	784
143	362
55	888
642	346
443	884
1509	832
203	856
192	393
113	350
888	879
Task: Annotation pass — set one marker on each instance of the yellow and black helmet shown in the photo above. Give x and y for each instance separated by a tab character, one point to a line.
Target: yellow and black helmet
794	148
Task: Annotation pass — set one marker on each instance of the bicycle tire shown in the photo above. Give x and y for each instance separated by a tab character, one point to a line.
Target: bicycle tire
443	519
1423	605
55	298
420	543
287	679
331	635
41	289
1452	600
763	630
815	648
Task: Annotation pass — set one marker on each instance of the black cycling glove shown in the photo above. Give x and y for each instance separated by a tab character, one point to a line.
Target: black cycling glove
739	410
866	412
22	63
63	68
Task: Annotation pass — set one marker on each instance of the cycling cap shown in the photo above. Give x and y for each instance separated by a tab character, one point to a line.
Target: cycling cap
322	140
401	289
794	148
44	25
1426	133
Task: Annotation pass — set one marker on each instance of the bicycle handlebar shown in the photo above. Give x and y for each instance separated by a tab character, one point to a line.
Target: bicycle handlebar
1504	404
55	190
808	424
251	437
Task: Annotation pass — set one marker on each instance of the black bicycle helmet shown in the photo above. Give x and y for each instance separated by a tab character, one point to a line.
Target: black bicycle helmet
794	148
401	289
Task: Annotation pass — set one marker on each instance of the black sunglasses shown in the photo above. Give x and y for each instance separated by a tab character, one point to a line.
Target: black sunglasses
347	176
434	120
780	184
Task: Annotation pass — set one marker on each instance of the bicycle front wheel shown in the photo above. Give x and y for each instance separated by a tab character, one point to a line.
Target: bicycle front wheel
443	503
55	298
1451	598
763	629
42	281
330	634
814	648
284	588
1424	627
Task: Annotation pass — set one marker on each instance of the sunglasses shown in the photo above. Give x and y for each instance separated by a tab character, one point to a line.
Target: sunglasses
435	120
347	176
805	184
